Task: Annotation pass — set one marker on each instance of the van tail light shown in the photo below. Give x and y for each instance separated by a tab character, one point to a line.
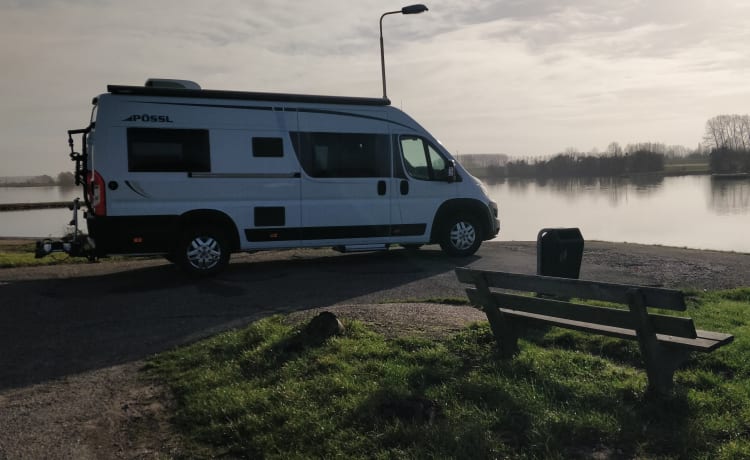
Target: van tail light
97	194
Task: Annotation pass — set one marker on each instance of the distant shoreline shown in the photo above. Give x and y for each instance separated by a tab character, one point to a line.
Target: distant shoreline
32	206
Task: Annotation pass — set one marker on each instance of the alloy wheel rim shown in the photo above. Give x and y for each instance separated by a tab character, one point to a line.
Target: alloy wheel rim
204	253
463	235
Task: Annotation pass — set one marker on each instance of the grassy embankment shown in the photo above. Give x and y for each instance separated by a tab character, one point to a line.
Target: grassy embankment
20	253
15	252
361	395
686	168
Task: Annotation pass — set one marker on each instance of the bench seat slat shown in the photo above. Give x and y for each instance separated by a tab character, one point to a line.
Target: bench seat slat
663	324
609	292
703	344
719	336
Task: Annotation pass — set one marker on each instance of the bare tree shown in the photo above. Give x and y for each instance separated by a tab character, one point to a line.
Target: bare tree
614	149
730	132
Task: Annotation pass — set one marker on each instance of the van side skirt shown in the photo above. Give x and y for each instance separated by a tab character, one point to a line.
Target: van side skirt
156	234
331	233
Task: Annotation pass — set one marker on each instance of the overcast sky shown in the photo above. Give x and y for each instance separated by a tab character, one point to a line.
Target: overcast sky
522	77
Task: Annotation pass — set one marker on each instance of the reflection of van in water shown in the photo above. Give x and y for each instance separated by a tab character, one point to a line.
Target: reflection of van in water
197	174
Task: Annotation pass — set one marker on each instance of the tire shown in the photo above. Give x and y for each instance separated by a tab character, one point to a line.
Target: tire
203	251
460	236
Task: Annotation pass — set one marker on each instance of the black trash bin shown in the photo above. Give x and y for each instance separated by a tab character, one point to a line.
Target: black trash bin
559	252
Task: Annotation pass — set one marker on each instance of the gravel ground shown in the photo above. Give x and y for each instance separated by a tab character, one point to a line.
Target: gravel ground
109	410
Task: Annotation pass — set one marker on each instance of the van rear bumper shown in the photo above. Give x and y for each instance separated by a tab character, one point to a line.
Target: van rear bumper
133	235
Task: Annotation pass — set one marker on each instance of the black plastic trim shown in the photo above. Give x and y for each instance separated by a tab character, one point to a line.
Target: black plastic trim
133	235
244	95
333	233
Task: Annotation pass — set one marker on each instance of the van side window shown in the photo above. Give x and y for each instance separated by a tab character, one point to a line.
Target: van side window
421	160
343	154
268	147
168	150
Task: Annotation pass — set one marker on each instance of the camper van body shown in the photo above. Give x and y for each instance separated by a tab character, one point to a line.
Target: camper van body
197	174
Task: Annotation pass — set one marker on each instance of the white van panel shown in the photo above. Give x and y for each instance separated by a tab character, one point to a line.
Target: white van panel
309	187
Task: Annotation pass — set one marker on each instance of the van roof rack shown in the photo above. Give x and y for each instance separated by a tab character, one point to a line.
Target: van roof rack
243	95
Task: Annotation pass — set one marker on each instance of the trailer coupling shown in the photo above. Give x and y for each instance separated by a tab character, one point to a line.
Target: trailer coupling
76	244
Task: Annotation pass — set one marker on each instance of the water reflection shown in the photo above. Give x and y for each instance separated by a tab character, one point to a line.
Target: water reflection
689	211
730	196
616	189
38	194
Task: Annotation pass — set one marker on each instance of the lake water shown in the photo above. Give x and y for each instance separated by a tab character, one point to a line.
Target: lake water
37	223
687	211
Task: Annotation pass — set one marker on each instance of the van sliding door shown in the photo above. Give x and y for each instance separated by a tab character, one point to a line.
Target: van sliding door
345	185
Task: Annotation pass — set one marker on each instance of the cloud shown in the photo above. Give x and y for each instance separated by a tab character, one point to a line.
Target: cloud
520	77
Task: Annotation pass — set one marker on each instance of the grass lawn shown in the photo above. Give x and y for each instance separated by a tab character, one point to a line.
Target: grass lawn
15	254
686	168
248	393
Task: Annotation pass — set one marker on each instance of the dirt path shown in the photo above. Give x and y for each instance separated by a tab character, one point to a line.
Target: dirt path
74	337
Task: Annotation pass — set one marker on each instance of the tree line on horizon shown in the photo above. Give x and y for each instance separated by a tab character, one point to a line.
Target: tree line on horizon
725	148
63	179
729	139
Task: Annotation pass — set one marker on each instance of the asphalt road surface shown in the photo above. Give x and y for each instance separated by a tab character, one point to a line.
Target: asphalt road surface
59	321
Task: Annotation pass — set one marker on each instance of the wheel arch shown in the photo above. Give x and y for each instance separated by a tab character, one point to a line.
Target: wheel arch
212	217
459	206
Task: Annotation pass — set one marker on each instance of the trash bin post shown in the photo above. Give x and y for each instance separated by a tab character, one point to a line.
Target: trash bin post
559	252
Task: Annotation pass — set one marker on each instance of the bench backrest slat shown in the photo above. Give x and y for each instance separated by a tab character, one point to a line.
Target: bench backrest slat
593	290
662	324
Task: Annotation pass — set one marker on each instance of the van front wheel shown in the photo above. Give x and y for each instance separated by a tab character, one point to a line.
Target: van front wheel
203	251
460	236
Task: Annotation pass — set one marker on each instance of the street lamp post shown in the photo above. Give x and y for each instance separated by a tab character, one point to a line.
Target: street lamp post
411	9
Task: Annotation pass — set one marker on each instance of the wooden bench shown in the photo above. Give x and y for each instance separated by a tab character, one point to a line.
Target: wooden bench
665	341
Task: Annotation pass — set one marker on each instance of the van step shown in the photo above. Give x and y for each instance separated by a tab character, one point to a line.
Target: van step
361	247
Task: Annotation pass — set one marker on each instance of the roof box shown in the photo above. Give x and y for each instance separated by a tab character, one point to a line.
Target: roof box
171	83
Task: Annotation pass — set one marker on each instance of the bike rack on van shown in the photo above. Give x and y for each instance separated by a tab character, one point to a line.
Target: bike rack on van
75	244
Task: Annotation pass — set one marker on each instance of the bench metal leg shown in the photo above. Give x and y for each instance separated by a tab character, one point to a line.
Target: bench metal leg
504	332
660	362
502	327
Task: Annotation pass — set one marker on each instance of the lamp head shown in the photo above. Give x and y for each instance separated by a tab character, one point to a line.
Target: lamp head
414	9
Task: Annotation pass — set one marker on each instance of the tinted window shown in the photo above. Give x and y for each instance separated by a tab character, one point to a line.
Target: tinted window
415	159
268	147
168	150
421	160
343	154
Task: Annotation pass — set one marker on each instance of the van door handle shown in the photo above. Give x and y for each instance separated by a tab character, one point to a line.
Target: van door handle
404	187
381	187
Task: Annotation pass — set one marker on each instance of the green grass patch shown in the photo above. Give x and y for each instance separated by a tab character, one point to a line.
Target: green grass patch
22	255
245	393
687	168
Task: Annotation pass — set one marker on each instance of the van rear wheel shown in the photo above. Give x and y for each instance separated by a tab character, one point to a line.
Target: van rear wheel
460	236
203	251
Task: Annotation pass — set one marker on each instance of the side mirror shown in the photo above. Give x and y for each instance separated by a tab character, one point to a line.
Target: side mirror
451	176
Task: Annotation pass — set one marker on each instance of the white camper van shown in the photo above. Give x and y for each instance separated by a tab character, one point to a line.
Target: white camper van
198	174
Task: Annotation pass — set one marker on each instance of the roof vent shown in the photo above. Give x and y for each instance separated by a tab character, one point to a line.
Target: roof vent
172	84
